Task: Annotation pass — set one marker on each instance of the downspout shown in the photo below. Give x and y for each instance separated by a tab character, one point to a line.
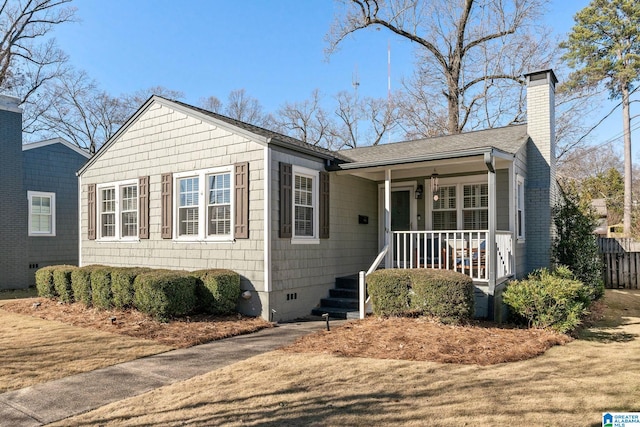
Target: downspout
489	161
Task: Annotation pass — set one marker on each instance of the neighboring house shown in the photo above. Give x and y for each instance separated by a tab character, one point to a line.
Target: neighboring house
183	188
39	211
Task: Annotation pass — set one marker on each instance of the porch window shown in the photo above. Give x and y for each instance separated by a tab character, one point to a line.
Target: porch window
118	210
444	209
204	213
475	209
42	210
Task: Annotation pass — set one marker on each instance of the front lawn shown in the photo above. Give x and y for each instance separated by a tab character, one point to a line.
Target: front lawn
571	384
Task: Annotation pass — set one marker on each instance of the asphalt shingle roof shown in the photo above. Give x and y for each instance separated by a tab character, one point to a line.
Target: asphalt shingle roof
508	139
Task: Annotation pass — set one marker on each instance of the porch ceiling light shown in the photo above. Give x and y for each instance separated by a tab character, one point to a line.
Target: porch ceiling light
434	185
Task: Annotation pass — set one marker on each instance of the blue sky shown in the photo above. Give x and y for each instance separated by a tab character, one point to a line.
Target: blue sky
273	49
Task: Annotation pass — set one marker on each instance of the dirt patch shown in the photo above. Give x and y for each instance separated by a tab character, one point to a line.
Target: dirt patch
481	343
179	333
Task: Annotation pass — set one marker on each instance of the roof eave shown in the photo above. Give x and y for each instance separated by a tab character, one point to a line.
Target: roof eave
439	156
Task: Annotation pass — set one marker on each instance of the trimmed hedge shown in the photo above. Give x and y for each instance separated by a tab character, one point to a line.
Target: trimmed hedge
81	283
165	294
390	292
101	295
62	282
447	295
122	285
549	299
44	282
217	291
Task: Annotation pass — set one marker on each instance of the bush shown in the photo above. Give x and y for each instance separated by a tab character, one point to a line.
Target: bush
81	283
62	282
122	285
447	295
101	295
547	299
217	291
44	282
576	246
165	294
389	291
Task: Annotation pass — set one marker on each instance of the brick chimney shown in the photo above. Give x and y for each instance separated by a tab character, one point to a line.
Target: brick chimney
540	186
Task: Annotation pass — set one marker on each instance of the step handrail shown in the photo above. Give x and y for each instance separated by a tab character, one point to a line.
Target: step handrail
362	282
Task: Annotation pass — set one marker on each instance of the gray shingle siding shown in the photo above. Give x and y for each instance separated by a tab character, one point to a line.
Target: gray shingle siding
13	207
52	169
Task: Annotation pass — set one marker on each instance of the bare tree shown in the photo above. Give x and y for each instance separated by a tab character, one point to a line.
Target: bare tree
210	103
307	121
468	52
365	121
241	106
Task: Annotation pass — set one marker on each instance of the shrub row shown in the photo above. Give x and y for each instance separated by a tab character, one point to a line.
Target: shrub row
447	295
549	299
160	293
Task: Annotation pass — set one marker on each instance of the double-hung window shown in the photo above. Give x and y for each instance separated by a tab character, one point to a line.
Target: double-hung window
305	204
118	211
475	207
444	208
42	213
204	204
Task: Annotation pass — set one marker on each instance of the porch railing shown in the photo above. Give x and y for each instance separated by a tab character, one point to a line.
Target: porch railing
464	251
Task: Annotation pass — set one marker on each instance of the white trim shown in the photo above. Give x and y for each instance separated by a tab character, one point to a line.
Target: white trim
52	206
315	176
267	219
520	198
39	144
80	205
202	174
116	185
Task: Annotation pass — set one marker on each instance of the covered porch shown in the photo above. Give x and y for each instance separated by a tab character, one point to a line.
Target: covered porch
457	211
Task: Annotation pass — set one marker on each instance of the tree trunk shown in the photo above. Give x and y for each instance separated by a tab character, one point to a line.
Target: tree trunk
628	178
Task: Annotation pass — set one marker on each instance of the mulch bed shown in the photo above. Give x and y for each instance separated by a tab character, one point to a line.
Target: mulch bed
179	333
481	343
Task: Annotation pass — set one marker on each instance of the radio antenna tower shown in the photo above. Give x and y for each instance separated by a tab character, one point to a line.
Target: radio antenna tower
355	82
389	82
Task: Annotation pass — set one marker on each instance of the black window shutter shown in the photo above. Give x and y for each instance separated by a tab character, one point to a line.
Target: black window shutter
143	207
324	205
242	200
285	200
167	206
91	212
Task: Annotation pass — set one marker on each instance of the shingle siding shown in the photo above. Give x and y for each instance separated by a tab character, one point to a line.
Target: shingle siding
13	208
165	140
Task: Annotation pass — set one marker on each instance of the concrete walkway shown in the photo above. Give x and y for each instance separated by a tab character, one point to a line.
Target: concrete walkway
56	400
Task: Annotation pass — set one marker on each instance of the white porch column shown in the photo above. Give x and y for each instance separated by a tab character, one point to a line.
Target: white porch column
388	237
493	223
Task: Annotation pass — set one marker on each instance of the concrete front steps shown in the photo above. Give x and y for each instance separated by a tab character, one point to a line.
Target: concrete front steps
342	302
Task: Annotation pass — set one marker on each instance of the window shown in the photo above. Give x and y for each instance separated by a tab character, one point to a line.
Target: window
520	207
475	209
118	210
42	213
305	203
204	213
444	208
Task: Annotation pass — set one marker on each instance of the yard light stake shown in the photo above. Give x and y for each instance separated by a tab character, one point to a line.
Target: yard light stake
326	317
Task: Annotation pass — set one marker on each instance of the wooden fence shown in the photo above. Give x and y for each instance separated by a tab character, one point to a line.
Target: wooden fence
621	259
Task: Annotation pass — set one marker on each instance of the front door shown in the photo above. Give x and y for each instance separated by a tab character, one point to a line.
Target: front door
403	212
